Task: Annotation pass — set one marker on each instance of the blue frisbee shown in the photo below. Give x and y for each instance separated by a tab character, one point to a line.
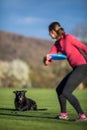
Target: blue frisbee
58	56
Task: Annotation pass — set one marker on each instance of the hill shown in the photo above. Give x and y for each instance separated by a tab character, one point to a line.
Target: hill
17	46
31	50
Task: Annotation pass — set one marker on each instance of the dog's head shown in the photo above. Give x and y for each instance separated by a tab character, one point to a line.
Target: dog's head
20	95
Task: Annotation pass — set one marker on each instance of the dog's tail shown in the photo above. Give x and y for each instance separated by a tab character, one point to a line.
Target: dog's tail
41	109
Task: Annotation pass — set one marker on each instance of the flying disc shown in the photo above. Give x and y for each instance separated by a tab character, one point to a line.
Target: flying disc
58	56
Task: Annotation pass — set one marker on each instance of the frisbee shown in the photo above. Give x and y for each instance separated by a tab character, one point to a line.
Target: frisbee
58	56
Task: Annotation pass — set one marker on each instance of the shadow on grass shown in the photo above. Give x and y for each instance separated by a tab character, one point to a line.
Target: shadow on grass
13	112
9	109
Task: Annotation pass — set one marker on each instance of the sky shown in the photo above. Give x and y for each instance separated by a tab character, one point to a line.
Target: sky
32	17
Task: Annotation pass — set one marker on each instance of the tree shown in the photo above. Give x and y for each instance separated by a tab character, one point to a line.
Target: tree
81	32
15	74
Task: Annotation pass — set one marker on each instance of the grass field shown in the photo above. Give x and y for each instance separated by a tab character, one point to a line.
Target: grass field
43	119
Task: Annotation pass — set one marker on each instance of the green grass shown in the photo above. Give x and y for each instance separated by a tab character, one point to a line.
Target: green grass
42	119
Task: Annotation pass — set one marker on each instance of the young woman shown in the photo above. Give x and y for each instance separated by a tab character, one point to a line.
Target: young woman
70	46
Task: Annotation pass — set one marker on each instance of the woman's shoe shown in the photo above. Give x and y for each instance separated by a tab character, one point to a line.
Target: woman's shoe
63	116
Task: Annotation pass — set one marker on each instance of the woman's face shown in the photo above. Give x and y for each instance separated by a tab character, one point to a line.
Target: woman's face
53	34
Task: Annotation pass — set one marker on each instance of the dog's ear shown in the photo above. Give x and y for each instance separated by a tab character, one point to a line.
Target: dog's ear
24	91
14	92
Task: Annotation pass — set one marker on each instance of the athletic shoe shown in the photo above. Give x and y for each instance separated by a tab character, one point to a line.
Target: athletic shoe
81	118
63	116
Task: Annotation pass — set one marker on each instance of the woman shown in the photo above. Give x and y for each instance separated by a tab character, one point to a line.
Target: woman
70	46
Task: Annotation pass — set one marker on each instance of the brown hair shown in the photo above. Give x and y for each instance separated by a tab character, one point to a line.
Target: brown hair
57	28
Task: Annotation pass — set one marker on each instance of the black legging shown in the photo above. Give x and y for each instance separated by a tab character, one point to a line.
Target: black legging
68	85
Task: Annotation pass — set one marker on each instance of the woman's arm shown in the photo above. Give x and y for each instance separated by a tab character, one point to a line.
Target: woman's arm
79	45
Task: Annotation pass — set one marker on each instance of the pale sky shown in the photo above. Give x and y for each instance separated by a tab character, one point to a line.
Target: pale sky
32	17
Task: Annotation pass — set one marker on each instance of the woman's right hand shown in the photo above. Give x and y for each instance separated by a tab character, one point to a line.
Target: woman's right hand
47	59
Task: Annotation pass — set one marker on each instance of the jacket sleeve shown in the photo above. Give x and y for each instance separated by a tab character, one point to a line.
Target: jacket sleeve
54	49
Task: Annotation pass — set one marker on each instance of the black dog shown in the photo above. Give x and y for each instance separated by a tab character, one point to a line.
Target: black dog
22	103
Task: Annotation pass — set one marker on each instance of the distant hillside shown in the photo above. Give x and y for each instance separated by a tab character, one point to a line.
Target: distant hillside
28	49
32	50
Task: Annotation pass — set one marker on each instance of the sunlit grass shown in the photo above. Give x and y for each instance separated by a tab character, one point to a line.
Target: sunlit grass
43	119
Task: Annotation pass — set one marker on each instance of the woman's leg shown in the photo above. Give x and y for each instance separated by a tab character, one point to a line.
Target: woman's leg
76	77
61	97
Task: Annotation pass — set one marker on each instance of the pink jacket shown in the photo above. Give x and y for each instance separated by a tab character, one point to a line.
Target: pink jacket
71	47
